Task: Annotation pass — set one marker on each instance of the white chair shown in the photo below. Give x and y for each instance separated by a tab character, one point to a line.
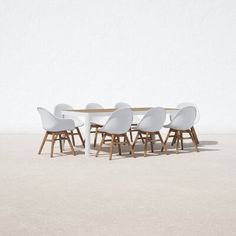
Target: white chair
180	106
120	105
182	123
150	126
135	121
117	126
96	122
55	127
58	112
126	105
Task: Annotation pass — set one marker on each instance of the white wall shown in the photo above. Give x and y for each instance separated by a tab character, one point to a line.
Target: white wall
143	52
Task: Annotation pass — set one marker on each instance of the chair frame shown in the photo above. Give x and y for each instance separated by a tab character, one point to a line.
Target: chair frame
63	135
178	138
96	127
149	137
115	140
193	133
72	134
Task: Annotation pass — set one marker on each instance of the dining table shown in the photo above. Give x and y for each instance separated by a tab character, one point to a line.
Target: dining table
87	114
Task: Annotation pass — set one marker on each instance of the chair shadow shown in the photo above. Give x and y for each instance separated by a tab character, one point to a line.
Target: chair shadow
139	149
208	142
67	151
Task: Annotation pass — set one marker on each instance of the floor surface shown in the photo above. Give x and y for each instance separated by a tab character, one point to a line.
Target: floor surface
186	194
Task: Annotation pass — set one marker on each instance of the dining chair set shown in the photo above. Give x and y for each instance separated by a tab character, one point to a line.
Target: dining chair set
120	127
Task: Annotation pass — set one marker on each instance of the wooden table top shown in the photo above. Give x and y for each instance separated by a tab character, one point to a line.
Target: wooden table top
114	109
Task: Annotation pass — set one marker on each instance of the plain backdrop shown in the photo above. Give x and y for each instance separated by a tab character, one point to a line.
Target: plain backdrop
146	53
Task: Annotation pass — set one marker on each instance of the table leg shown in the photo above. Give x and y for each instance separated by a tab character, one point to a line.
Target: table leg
87	135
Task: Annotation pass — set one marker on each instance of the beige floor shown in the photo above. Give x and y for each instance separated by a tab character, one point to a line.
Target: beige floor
185	194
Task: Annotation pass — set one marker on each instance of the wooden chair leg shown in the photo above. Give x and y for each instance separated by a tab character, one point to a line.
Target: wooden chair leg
43	142
80	136
131	135
68	139
181	140
141	138
104	141
145	145
63	140
52	144
111	147
72	138
136	139
151	142
100	146
194	141
177	142
174	139
166	140
119	147
162	143
61	149
95	137
195	135
130	146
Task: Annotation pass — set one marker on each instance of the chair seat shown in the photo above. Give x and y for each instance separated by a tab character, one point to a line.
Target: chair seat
96	124
78	123
170	126
136	120
110	131
98	121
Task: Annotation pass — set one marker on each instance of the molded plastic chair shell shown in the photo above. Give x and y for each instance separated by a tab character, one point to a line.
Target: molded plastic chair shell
153	120
119	122
96	120
54	124
93	105
184	119
58	113
120	105
186	104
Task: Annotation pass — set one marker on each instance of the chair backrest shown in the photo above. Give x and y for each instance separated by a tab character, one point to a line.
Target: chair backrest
93	105
187	104
185	118
59	108
153	120
119	122
122	105
48	119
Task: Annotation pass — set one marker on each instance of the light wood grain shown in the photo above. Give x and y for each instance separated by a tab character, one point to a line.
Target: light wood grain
114	109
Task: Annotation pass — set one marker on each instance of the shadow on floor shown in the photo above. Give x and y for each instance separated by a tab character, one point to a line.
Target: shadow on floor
139	149
208	142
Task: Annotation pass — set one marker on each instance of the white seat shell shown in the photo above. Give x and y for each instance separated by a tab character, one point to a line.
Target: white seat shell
53	123
119	122
184	119
96	120
153	120
187	104
58	112
120	105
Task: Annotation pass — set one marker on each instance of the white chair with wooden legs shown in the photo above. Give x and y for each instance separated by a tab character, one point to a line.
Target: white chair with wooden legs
117	126
182	123
57	128
135	121
58	112
96	121
180	106
150	126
